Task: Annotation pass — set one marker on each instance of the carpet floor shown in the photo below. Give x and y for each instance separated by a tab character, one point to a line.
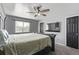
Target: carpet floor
64	50
60	50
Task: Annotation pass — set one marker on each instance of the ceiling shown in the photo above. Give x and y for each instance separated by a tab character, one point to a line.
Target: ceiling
57	10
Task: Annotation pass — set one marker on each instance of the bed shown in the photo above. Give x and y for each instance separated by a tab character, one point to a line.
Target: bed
26	44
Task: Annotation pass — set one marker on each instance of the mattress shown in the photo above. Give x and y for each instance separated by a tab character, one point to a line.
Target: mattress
25	44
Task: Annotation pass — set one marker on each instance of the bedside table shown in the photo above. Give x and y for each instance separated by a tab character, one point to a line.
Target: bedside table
52	36
2	52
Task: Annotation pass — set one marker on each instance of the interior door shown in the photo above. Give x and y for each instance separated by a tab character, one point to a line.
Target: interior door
69	32
75	32
72	32
41	27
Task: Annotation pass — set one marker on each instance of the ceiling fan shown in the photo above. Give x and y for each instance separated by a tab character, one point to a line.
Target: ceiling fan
38	11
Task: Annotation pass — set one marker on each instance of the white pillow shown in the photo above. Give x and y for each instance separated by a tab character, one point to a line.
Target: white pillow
5	34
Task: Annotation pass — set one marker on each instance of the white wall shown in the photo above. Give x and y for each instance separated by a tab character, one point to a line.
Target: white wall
2	14
59	13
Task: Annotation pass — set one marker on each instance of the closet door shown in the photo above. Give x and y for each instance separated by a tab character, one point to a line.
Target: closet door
0	22
72	32
75	32
69	32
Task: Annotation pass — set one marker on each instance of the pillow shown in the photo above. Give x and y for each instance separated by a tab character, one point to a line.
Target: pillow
5	34
2	39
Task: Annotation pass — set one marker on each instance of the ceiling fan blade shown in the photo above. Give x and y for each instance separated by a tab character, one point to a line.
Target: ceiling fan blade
35	8
44	14
39	6
31	12
38	11
35	15
46	10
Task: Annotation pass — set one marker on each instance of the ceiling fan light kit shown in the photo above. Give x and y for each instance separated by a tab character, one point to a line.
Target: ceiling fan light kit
38	11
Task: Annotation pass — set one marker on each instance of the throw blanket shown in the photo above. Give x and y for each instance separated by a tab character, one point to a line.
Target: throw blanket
26	43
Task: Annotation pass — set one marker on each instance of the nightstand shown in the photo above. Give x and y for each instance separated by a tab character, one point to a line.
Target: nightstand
52	36
2	52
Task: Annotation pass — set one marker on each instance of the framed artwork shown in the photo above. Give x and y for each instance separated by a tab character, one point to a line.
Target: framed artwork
53	27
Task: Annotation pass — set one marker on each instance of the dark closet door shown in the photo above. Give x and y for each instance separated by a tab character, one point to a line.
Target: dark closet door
75	32
72	32
69	32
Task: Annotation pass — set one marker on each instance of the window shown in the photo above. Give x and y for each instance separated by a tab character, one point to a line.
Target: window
46	27
22	26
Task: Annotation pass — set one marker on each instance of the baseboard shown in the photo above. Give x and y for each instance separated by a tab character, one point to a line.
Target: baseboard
61	44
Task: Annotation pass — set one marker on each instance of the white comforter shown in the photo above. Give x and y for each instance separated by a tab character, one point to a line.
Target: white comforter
26	43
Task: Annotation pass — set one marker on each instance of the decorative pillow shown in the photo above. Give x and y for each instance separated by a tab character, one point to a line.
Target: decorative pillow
5	34
2	39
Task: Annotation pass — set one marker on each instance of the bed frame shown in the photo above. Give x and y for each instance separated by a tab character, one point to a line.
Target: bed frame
45	51
48	49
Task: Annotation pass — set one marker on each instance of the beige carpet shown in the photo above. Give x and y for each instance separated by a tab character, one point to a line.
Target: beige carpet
64	50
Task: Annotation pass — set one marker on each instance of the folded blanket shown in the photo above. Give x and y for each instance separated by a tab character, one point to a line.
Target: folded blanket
26	43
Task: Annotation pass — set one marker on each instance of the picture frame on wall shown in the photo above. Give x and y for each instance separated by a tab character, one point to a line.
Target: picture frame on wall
53	27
